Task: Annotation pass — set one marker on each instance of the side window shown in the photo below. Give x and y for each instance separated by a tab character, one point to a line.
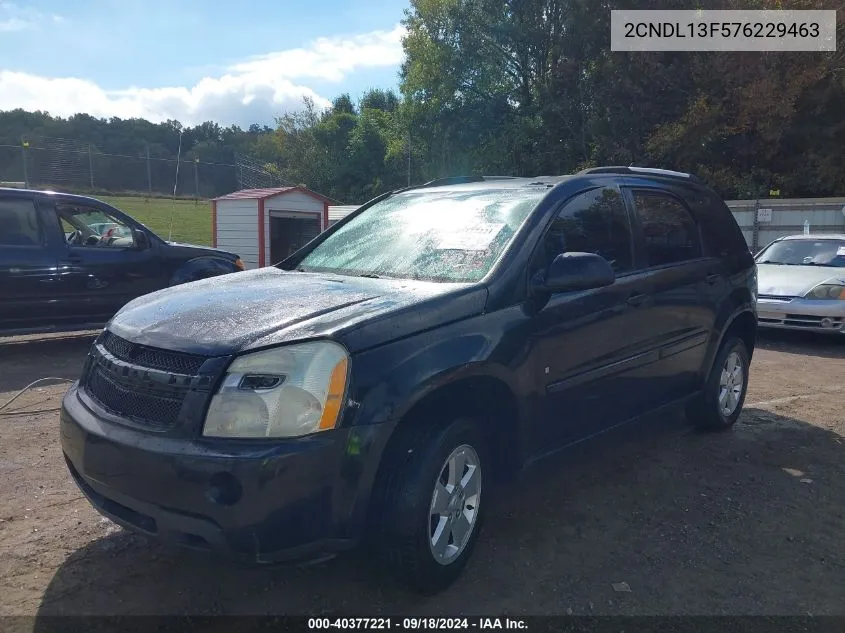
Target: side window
19	223
670	234
592	222
93	228
719	230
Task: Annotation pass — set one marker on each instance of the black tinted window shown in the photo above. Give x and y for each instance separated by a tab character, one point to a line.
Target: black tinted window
669	232
719	230
593	222
18	223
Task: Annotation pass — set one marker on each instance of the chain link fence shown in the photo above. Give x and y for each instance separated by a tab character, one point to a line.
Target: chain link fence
76	166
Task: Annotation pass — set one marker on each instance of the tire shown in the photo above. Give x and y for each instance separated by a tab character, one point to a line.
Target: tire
718	410
429	551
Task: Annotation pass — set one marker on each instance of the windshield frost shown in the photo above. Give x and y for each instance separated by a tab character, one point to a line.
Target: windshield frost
452	236
805	253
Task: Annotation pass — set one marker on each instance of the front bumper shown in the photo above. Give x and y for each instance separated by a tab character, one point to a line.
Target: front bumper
797	313
256	502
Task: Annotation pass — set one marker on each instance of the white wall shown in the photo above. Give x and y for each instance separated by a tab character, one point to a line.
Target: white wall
293	201
340	211
237	229
788	215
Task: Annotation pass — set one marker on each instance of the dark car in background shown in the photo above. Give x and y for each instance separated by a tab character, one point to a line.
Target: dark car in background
70	262
373	385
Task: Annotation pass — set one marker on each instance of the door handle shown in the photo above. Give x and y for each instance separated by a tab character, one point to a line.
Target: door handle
712	278
73	258
637	299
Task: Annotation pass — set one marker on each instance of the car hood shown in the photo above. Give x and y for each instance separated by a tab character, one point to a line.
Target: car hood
201	250
258	308
794	281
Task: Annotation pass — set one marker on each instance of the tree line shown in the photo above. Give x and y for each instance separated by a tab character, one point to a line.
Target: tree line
530	87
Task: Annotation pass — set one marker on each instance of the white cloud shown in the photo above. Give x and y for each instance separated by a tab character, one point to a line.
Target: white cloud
329	58
253	91
15	24
17	18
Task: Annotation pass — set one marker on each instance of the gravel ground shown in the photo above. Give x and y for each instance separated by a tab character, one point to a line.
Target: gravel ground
745	522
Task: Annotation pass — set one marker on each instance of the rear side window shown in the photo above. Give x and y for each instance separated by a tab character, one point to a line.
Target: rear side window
593	222
722	236
670	234
19	223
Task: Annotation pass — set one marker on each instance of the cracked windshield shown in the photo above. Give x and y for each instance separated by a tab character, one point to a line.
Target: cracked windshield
443	237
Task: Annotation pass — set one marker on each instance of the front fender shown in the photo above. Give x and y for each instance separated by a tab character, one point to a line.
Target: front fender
390	380
202	268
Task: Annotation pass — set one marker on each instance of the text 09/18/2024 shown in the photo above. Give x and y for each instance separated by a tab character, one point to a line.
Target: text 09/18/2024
705	30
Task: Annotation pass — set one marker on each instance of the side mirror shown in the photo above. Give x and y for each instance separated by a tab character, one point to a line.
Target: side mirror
142	240
577	271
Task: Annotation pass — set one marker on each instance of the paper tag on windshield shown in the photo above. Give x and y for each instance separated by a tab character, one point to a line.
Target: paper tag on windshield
476	238
840	251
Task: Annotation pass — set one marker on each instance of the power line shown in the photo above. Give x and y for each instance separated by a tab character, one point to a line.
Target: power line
46	161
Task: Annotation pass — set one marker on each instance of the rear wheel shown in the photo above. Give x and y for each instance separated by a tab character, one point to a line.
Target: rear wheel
433	506
724	392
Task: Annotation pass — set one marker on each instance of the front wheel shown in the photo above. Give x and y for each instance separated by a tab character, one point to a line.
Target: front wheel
433	508
724	392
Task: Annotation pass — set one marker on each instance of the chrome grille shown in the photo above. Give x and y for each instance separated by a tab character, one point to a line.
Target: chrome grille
152	357
144	386
776	298
157	409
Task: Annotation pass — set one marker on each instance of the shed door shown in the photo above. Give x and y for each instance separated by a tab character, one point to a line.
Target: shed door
288	235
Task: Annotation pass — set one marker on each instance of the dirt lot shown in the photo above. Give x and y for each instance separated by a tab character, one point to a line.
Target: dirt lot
748	522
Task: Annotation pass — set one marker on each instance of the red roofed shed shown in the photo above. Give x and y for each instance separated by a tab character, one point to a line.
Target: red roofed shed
264	226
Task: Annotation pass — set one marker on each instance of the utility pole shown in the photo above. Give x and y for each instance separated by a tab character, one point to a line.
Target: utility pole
24	147
91	166
149	174
196	179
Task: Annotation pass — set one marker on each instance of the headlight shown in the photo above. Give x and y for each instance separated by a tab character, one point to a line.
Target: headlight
282	392
827	291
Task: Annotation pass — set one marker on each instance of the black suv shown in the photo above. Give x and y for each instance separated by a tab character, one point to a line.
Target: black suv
70	262
377	381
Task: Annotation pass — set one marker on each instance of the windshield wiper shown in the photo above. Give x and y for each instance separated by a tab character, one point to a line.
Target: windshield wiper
818	264
369	276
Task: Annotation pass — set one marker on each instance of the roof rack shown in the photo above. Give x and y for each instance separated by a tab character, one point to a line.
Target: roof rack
641	170
460	180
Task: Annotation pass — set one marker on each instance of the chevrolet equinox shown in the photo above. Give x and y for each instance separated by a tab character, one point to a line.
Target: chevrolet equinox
377	381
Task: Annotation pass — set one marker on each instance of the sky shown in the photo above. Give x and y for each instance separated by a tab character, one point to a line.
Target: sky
233	62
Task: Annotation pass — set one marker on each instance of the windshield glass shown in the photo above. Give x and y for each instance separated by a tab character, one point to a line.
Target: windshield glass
805	253
449	236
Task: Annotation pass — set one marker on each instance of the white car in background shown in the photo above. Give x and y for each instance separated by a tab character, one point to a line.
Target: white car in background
801	283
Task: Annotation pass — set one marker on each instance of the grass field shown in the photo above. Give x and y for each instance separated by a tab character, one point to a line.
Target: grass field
191	221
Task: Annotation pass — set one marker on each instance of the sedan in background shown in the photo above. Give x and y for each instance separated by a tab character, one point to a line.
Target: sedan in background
801	280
